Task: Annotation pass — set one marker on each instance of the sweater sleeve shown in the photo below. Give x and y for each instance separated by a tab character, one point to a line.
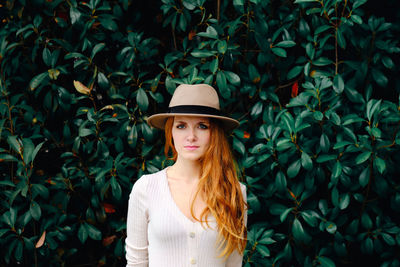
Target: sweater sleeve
236	259
136	242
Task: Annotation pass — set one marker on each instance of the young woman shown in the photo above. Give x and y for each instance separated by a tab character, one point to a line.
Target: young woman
192	213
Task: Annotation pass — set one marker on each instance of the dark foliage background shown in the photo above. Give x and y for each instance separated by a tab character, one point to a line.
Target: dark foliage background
314	84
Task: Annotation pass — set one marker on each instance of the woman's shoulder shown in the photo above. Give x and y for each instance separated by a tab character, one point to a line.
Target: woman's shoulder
242	187
147	180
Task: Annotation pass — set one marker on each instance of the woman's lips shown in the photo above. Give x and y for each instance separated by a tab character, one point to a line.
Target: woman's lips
191	147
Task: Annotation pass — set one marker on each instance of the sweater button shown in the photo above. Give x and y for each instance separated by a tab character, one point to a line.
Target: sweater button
192	261
192	234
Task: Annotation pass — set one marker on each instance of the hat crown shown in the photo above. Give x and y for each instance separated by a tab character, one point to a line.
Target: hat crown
196	95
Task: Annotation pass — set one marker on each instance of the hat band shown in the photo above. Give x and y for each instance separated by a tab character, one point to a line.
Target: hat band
194	109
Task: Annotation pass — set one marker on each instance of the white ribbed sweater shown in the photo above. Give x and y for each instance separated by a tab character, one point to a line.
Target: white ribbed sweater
160	235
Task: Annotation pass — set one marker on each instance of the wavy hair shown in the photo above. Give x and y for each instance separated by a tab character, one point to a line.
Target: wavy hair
220	187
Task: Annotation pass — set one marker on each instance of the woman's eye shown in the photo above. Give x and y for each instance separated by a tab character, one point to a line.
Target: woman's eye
203	126
180	126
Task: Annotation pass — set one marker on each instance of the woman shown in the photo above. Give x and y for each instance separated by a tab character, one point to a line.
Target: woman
192	213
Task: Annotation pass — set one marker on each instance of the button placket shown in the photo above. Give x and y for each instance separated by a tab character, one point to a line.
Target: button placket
191	237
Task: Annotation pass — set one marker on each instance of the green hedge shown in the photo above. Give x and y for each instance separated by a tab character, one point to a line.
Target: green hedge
313	83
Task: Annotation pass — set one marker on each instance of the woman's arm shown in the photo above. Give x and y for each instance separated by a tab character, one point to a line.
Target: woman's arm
136	242
236	259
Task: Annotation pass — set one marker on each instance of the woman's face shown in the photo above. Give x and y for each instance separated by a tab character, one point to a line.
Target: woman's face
191	136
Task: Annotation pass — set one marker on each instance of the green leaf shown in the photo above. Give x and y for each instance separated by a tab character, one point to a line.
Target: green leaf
3	231
368	246
264	251
132	136
388	62
238	146
294	72
298	232
306	161
10	217
254	75
338	84
74	14
14	143
294	168
28	150
322	61
310	217
321	29
372	106
214	65
83	132
109	24
358	3
280	181
142	99
222	46
202	53
7	157
116	188
330	227
364	177
357	19
344	201
188	5
82	233
284	214
363	157
18	251
379	77
285	44
35	210
340	38
324	157
304	1
97	48
46	56
38	79
210	33
388	239
326	262
238	2
318	115
366	221
351	118
380	165
222	85
324	143
341	144
256	109
337	170
93	232
280	52
233	78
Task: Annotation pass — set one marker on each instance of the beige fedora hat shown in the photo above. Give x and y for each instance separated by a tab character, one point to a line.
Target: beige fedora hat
193	100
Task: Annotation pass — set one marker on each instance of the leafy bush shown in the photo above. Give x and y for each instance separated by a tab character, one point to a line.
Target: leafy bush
312	82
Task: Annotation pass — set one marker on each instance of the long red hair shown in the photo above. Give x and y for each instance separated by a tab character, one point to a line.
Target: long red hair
220	188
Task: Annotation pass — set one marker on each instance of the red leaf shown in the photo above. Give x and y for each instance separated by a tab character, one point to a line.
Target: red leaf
41	240
295	89
192	34
108	208
108	240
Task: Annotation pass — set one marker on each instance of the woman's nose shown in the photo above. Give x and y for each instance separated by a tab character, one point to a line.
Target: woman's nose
191	134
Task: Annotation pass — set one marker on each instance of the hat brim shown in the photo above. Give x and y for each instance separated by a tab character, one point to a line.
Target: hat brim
158	120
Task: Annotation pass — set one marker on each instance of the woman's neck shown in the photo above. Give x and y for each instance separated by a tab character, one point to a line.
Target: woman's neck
186	170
